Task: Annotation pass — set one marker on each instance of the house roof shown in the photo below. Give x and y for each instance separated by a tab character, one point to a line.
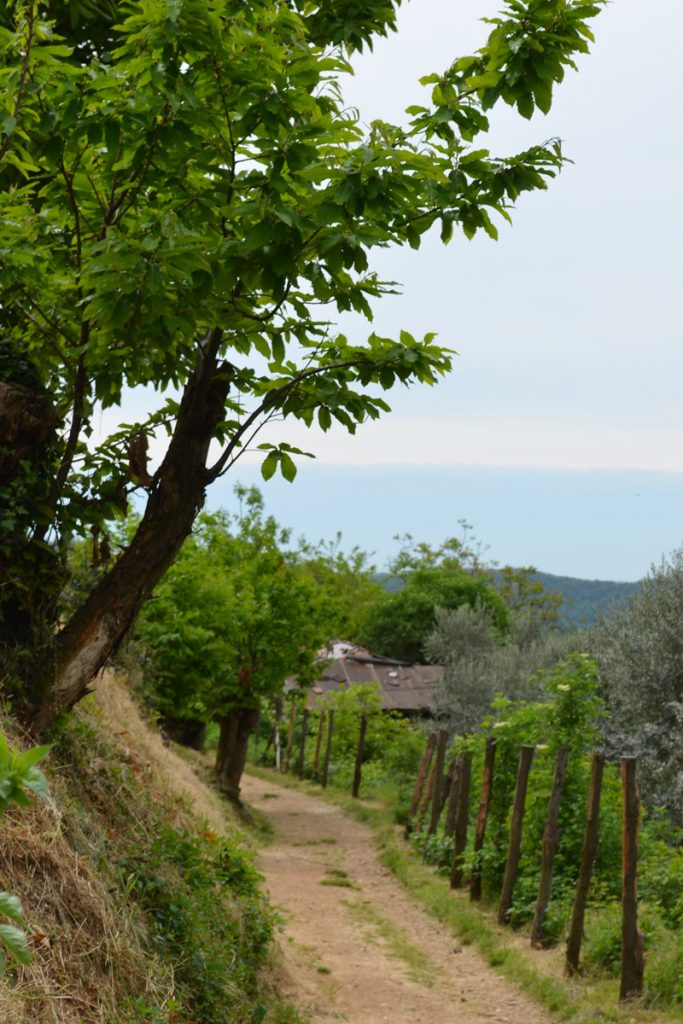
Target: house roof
403	687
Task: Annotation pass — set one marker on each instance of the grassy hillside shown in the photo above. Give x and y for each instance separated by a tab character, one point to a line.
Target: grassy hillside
138	886
584	599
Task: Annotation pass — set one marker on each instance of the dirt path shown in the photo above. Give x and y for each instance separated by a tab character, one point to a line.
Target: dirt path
356	948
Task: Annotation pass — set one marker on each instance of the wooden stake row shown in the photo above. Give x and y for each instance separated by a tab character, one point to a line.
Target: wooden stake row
457	821
327	716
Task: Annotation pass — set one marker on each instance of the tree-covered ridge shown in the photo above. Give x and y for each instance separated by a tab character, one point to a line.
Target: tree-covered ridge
582	600
585	600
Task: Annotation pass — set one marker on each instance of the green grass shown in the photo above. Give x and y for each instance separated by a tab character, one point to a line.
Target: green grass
586	1000
341	883
396	943
316	842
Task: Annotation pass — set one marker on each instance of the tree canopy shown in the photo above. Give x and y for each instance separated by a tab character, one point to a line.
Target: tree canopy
400	623
187	203
240	611
639	651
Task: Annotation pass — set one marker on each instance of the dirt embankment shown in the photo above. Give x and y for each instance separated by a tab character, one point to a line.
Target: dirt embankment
355	947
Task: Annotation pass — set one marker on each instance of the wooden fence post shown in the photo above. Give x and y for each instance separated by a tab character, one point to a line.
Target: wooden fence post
461	819
526	756
318	744
631	938
276	735
290	736
359	756
276	745
551	838
422	810
438	783
419	785
328	748
484	803
452	809
447	781
588	851
301	762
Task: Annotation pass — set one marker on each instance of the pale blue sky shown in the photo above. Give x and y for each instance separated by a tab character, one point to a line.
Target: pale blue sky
595	524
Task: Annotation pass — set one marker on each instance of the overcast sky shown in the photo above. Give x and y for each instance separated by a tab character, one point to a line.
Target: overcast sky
568	328
566	389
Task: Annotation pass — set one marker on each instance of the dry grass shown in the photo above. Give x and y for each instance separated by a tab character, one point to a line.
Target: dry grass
87	950
172	774
57	856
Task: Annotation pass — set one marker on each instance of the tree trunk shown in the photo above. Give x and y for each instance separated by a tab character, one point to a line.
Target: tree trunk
31	572
176	495
231	756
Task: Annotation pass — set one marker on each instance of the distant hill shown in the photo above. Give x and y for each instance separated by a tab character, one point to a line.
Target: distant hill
583	599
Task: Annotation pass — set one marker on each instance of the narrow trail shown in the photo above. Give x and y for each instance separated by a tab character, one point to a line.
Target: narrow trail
355	947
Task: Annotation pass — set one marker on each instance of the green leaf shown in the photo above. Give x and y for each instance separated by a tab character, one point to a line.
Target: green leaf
33	755
287	467
15	942
34	780
269	465
11	907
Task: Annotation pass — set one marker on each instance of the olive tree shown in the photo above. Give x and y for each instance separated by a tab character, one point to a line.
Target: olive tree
480	661
186	204
639	651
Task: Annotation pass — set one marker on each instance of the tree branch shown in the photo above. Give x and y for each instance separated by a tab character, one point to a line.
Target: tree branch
271	399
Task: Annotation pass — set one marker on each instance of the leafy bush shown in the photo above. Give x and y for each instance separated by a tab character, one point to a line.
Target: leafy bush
208	916
660	877
602	948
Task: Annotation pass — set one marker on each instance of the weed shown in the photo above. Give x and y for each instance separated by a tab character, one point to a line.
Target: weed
208	916
316	842
420	967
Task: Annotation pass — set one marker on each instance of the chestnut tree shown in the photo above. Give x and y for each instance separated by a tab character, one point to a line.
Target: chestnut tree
186	204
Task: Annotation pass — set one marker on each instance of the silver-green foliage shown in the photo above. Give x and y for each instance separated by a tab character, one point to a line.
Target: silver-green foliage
639	650
479	662
18	773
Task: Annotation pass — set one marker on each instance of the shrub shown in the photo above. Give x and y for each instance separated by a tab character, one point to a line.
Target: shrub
209	918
